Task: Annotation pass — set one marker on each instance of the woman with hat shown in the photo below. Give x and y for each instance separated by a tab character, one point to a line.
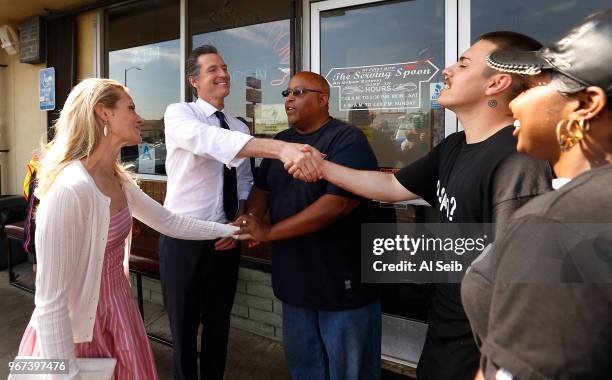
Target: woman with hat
540	299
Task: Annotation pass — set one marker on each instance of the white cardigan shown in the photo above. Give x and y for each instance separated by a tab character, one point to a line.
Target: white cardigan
72	222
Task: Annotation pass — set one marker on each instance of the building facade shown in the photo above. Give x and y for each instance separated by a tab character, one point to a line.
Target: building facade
383	60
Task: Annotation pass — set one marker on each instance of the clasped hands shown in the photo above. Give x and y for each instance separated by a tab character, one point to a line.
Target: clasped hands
302	161
252	230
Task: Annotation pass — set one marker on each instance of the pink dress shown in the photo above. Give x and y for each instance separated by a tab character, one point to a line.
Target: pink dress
118	330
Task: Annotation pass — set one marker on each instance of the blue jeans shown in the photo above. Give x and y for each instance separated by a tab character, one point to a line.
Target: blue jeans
332	345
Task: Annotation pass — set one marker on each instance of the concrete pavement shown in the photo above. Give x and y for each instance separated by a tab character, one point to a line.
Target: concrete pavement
250	356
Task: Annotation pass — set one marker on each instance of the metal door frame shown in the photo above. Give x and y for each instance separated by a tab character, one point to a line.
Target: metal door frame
402	338
456	36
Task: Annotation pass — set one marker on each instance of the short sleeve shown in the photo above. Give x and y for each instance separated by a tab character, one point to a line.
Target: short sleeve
351	149
261	179
420	177
517	179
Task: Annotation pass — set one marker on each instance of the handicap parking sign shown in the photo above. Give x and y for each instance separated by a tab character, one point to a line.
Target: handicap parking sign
46	89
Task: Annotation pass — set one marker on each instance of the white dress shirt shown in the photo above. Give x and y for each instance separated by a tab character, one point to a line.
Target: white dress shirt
197	148
72	222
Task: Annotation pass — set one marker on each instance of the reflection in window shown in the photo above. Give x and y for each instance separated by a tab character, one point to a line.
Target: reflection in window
544	20
384	62
254	39
258	59
144	55
386	77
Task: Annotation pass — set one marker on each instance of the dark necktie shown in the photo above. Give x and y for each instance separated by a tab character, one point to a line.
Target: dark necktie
230	190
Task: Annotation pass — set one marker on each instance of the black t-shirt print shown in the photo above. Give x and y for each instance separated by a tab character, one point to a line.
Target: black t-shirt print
320	270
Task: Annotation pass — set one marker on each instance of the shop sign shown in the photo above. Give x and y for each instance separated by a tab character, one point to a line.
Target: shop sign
145	55
382	87
270	119
146	158
253	95
253	82
250	110
434	93
46	89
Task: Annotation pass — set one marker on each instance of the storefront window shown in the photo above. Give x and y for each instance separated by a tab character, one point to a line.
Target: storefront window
254	39
144	55
543	20
384	62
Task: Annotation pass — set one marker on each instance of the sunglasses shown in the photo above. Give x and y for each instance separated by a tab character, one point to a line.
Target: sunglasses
298	91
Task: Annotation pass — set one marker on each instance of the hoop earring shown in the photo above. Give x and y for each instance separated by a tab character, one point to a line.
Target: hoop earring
584	125
105	130
570	132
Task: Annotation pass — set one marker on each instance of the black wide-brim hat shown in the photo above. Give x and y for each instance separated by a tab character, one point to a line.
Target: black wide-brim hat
583	54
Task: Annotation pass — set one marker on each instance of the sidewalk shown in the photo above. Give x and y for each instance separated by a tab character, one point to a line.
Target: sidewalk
250	356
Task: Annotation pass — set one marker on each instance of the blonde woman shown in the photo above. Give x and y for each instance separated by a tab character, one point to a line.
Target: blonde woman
84	304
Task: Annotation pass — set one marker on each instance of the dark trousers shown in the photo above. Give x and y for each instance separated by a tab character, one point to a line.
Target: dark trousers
199	285
450	351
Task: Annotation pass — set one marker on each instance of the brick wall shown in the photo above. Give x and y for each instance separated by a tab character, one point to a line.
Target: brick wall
255	307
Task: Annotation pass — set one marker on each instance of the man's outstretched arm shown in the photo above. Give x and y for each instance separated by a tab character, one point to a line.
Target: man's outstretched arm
184	130
300	156
324	211
366	183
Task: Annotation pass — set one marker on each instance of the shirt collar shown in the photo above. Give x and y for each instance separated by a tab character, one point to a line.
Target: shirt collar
558	183
208	108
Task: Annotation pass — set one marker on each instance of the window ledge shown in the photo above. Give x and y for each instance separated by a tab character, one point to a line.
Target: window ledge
152	177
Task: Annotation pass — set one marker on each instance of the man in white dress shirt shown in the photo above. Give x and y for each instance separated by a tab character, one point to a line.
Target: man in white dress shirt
209	179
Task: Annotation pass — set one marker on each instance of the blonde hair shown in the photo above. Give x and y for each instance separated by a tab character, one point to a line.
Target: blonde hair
77	130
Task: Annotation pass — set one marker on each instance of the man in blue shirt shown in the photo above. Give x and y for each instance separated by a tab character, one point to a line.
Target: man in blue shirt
331	322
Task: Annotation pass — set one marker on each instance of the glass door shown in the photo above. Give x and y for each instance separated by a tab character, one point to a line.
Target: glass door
384	62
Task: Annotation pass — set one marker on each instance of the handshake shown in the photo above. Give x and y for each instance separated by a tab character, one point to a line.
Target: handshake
302	161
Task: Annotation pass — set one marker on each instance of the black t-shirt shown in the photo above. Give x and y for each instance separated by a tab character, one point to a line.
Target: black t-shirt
320	270
483	182
529	326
